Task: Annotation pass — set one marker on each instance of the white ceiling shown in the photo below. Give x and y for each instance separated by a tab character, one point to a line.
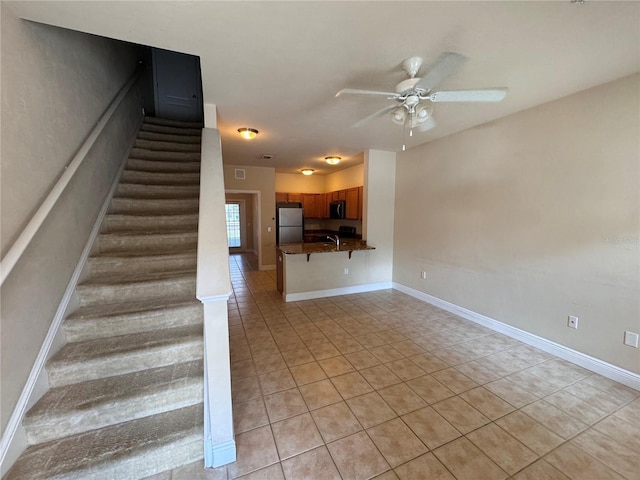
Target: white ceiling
276	66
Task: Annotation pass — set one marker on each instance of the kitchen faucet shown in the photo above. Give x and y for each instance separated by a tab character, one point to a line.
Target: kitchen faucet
335	238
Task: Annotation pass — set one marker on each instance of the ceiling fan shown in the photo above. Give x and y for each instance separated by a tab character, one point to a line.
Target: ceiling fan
414	96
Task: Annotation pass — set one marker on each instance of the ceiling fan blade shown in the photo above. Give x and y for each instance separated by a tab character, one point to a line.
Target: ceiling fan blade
365	92
478	95
361	122
446	64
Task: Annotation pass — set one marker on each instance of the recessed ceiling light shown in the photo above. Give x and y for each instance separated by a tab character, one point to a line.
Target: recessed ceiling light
332	160
248	133
307	171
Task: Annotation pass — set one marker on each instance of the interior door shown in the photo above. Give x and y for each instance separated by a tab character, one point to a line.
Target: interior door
178	86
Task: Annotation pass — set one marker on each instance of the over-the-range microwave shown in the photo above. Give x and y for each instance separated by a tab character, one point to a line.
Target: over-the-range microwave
337	209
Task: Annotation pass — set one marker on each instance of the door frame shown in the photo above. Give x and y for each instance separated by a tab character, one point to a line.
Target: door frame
257	219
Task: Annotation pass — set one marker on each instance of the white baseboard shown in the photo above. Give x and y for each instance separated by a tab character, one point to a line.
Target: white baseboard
10	450
334	292
219	455
605	369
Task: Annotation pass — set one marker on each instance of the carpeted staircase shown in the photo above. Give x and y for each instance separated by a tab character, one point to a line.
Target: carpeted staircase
125	393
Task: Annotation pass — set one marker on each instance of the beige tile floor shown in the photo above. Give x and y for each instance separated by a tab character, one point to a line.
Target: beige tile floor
381	385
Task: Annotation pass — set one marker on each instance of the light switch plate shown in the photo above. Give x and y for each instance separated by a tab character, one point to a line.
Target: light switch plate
631	339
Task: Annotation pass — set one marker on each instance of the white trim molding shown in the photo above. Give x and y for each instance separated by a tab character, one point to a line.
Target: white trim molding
334	292
605	369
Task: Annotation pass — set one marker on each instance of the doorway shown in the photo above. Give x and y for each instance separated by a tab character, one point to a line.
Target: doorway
236	216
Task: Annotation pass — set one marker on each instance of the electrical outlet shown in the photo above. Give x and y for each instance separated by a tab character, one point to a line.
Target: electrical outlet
572	322
631	339
423	275
346	270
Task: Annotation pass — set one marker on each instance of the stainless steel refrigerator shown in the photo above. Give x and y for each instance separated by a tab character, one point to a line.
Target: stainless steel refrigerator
289	223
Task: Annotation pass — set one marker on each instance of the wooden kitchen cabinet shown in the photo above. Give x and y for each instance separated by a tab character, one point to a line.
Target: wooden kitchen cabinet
351	199
282	197
295	197
360	202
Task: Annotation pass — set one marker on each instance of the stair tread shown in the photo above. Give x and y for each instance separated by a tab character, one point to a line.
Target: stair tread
159	145
102	348
79	456
168	137
115	309
136	277
109	391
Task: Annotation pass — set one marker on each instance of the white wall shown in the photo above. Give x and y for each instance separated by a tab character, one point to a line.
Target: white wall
340	180
532	218
55	85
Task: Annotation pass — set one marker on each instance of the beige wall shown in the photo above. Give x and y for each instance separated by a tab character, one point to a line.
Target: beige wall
55	86
259	179
532	218
340	180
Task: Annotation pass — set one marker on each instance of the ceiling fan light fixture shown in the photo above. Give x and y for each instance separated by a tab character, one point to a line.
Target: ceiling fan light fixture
423	113
307	171
332	160
399	115
248	133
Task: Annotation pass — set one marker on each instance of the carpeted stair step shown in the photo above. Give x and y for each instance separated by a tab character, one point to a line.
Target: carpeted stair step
158	156
121	265
140	287
160	178
86	406
129	450
150	223
101	321
172	123
153	206
166	166
138	190
166	146
108	357
150	127
168	137
162	242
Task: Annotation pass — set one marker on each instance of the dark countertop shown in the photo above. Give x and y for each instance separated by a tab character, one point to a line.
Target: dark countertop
346	245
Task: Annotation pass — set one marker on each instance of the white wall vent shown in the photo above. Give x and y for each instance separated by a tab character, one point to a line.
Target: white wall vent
240	174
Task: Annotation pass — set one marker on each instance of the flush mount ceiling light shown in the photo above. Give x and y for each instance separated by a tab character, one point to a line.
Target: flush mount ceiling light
307	171
248	133
332	160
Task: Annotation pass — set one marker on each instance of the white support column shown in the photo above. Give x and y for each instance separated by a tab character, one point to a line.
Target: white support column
213	288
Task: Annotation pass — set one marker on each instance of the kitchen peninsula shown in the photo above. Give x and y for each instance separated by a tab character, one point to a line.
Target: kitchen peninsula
312	270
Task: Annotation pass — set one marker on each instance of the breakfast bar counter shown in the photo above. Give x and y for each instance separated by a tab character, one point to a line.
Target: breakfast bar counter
312	270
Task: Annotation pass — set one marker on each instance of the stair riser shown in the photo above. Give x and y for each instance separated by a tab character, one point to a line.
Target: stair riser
144	154
167	146
147	127
172	123
160	223
81	329
106	266
89	294
151	178
167	137
136	190
50	427
141	206
166	166
146	243
123	363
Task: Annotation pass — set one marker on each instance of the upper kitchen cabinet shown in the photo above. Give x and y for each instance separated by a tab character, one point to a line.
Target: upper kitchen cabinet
352	205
